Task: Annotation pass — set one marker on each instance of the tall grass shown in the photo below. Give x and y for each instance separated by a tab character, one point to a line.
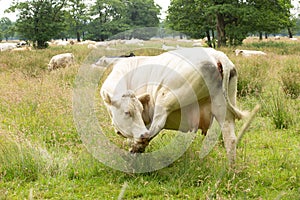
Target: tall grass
42	157
278	47
279	109
291	81
18	162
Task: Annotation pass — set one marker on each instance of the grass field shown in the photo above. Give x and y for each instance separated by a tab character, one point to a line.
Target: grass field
42	156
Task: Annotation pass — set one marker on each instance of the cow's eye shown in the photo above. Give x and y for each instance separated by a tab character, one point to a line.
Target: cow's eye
128	113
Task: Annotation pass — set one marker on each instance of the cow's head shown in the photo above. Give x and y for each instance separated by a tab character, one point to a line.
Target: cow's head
127	117
238	51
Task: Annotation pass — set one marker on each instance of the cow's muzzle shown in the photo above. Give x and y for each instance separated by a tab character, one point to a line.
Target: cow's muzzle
139	146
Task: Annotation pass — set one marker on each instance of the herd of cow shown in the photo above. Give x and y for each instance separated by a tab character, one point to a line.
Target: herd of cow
20	46
183	89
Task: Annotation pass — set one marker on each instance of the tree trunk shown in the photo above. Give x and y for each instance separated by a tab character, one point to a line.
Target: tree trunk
290	32
208	39
83	36
78	36
41	44
266	35
213	38
221	30
260	35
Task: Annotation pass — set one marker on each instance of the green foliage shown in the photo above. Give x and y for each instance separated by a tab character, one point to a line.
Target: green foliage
40	21
233	20
6	28
77	18
112	17
189	17
141	13
297	27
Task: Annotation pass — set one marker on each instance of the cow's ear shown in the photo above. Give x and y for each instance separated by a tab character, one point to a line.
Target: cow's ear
144	99
106	98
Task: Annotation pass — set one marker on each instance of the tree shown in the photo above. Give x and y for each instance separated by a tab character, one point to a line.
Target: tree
142	13
77	17
270	16
233	19
111	17
199	18
107	19
297	26
192	18
40	20
7	28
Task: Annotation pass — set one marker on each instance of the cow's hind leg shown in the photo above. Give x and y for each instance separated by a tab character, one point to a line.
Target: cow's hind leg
230	139
226	121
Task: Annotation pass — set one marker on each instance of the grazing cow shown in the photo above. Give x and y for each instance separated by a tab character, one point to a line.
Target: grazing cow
21	44
61	43
61	60
106	61
179	90
248	53
92	46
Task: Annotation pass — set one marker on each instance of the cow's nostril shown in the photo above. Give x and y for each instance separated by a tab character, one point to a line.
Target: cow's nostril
145	135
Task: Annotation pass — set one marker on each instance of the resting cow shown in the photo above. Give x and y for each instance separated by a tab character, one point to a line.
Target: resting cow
61	60
7	46
179	90
248	53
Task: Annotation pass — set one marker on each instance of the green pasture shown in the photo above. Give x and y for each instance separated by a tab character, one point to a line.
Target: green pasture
42	156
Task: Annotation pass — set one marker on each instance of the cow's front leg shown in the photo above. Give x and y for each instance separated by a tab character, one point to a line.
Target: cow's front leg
158	122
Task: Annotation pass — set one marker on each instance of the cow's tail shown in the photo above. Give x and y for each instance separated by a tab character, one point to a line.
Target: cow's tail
230	78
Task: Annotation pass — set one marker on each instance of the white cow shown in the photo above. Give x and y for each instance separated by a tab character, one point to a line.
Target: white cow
92	46
248	53
107	61
179	90
61	60
7	46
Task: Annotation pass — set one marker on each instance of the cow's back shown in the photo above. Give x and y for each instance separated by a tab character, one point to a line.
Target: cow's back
169	70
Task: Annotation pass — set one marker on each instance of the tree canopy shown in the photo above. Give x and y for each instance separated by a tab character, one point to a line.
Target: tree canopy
227	22
43	20
232	20
6	28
